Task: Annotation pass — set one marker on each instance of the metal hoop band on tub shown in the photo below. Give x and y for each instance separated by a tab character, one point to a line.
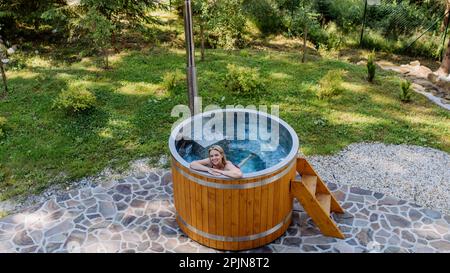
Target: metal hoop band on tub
237	238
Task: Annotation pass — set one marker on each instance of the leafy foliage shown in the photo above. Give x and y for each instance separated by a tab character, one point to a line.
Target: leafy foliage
243	80
331	84
265	14
405	91
99	30
227	23
75	99
371	67
2	126
173	79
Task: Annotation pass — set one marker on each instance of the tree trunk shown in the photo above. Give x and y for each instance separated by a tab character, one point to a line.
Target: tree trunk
4	80
305	37
105	53
3	54
446	18
202	35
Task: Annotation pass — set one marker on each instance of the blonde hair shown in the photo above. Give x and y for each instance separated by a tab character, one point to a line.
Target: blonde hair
220	150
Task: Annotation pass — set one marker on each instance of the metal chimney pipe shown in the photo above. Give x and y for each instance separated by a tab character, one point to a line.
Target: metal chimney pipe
191	70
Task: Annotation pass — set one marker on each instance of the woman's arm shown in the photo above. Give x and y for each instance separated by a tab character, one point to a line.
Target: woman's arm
200	165
230	170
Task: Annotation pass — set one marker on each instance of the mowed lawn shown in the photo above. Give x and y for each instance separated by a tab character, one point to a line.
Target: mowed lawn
132	119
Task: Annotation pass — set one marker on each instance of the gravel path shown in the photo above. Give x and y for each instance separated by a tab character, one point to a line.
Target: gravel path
415	173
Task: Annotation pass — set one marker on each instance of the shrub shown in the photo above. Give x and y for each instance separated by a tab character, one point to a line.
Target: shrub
243	80
173	79
75	99
371	67
264	14
2	126
331	84
406	91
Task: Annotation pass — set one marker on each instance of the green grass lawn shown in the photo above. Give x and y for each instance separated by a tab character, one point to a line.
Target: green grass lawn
132	119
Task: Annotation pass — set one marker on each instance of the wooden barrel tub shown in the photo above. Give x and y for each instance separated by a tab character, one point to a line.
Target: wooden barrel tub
235	214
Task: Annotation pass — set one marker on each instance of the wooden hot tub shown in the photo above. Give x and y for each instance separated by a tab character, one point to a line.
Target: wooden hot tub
235	214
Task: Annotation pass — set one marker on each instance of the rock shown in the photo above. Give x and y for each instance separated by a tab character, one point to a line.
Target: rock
186	248
166	179
360	191
427	234
414	215
65	226
156	247
408	236
292	241
107	209
388	201
128	220
398	221
432	77
432	213
22	239
364	236
168	231
136	203
153	232
362	62
124	189
415	63
441	246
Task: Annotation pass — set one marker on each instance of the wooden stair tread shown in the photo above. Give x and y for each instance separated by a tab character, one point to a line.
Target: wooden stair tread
324	201
310	182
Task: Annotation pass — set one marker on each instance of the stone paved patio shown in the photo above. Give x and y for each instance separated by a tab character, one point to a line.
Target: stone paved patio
136	214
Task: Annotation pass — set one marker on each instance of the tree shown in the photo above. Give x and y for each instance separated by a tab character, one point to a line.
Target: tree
202	12
445	65
121	14
303	20
24	18
3	55
100	30
227	23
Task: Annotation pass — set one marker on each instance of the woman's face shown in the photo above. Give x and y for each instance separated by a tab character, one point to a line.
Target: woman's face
215	157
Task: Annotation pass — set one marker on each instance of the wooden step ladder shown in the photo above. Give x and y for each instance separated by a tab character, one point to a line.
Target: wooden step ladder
316	199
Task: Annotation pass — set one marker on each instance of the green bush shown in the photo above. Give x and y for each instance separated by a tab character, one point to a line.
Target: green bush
264	14
173	79
2	126
75	99
371	67
243	80
405	91
331	84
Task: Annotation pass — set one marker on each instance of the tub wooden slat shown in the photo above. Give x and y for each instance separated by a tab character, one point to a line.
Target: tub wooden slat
194	211
242	216
219	216
199	208
256	215
276	205
211	192
205	213
250	214
235	216
264	209
227	214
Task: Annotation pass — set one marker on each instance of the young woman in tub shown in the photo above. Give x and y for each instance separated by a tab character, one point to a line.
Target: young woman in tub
217	164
